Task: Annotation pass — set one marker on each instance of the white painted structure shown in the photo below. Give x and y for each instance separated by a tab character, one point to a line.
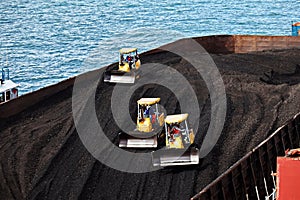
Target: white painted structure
8	89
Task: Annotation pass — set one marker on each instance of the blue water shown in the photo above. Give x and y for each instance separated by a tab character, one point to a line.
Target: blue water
45	42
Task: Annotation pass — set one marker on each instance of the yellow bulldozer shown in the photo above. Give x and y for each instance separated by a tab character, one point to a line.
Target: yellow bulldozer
149	124
179	143
129	63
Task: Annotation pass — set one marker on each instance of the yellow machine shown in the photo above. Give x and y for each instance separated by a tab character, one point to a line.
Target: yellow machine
129	59
179	149
146	115
149	123
129	63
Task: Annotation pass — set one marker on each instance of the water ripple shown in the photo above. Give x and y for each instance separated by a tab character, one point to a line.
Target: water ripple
44	42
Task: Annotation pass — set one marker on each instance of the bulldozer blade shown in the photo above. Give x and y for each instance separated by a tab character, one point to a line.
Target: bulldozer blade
119	77
128	141
174	157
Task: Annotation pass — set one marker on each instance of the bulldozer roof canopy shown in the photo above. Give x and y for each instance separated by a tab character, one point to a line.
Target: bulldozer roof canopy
148	101
127	50
176	118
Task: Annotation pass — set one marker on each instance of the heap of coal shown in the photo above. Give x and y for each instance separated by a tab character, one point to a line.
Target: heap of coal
42	156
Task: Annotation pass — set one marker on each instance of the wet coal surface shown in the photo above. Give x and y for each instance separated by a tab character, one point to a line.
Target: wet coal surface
42	156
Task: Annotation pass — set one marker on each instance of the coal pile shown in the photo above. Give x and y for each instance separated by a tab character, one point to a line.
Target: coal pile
42	156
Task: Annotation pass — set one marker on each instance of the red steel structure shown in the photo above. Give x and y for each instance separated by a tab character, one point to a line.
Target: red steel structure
288	178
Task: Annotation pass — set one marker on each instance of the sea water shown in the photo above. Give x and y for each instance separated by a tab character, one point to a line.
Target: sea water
44	42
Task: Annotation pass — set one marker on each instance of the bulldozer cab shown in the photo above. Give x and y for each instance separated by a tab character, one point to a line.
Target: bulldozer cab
178	149
149	116
149	124
129	59
126	71
178	135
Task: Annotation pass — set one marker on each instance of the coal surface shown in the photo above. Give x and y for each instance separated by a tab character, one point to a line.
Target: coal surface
42	156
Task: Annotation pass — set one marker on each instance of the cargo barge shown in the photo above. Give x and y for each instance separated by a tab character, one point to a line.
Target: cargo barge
41	122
